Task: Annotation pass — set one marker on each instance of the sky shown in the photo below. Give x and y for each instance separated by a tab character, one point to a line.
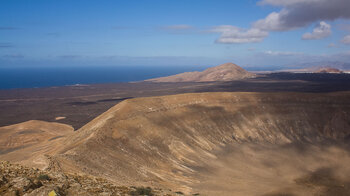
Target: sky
250	33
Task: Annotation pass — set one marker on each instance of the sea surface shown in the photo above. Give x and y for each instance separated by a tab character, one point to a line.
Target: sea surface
32	77
35	77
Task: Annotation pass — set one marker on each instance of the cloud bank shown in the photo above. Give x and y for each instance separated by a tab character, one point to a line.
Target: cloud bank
294	14
232	34
300	13
282	53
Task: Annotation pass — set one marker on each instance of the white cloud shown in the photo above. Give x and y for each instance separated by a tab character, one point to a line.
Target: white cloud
272	22
294	14
281	53
233	35
322	30
300	13
346	40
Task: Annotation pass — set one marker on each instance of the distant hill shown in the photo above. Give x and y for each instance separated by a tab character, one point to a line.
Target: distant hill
326	64
315	67
314	70
224	72
328	70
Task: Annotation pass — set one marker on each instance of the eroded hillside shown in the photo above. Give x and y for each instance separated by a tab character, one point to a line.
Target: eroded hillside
220	143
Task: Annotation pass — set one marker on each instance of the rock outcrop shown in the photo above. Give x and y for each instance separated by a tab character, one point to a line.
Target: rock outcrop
19	180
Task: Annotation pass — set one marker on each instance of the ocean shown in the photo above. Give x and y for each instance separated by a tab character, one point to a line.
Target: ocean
32	77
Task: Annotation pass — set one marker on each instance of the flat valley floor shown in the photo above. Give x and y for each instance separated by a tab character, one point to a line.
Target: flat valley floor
77	105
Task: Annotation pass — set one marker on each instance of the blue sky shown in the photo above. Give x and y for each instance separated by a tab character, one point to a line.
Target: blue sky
169	33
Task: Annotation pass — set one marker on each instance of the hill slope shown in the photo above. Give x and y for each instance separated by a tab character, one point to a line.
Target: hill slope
224	72
219	143
29	141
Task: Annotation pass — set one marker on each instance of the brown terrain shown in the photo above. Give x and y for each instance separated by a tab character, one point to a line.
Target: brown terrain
78	105
210	143
268	134
224	72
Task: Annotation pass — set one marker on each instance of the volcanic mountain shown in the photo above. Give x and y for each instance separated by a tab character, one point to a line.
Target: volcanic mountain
217	144
224	72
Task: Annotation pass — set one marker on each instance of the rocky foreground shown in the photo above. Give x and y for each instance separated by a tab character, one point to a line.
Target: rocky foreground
19	180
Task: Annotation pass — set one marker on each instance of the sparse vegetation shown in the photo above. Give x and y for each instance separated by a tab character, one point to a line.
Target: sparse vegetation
142	191
19	180
43	177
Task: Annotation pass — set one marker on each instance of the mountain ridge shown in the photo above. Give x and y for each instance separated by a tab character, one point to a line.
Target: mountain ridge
163	141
